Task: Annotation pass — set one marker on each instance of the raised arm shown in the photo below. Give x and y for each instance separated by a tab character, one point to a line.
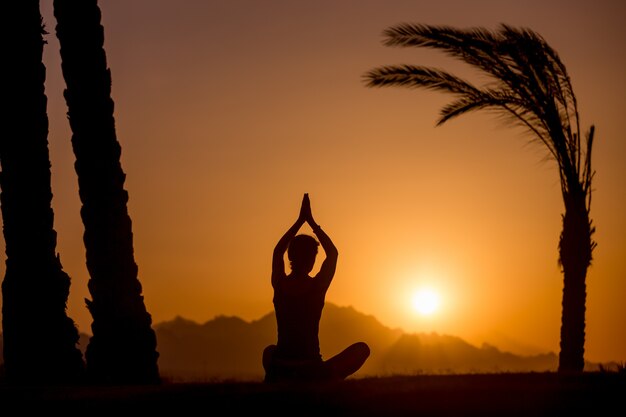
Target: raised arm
327	270
278	258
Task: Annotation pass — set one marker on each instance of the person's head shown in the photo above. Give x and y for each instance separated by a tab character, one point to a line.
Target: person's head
302	252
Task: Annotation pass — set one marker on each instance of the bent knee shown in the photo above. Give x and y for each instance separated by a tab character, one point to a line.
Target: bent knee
269	350
268	354
362	349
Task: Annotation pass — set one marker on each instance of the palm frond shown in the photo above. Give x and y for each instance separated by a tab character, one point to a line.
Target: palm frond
530	84
412	76
461	106
551	87
470	46
588	174
506	105
486	50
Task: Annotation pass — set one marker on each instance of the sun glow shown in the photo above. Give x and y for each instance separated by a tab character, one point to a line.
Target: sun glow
425	301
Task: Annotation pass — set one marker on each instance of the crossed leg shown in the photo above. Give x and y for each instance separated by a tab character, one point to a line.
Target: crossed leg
338	367
347	361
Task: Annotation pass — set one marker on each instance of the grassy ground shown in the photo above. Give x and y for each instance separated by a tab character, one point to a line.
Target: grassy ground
532	394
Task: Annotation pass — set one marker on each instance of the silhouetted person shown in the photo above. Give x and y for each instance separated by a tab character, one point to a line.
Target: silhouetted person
298	303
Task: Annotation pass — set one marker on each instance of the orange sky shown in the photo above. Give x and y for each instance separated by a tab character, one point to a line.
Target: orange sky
228	111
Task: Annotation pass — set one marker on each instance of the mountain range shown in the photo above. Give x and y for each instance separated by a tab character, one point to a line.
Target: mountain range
229	348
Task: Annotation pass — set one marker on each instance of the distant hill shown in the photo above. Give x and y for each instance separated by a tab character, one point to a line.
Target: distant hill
230	348
434	353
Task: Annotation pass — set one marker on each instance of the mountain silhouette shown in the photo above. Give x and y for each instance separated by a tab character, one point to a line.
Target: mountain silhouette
229	348
434	353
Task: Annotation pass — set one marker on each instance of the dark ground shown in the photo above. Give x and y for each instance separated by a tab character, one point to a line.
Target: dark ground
513	394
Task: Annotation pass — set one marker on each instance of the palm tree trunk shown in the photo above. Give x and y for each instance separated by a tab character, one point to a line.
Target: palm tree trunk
575	248
123	347
40	340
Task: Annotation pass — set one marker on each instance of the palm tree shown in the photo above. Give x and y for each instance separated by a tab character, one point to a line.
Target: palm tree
530	86
40	340
122	349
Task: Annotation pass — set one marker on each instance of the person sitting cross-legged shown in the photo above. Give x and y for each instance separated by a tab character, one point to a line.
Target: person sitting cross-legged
298	302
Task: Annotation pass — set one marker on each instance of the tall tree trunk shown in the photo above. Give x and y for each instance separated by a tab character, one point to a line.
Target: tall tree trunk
123	347
575	248
40	340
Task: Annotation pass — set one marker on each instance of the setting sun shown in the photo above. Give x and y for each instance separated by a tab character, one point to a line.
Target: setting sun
425	301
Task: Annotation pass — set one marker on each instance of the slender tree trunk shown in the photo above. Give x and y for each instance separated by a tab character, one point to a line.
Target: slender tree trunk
123	347
575	250
40	340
